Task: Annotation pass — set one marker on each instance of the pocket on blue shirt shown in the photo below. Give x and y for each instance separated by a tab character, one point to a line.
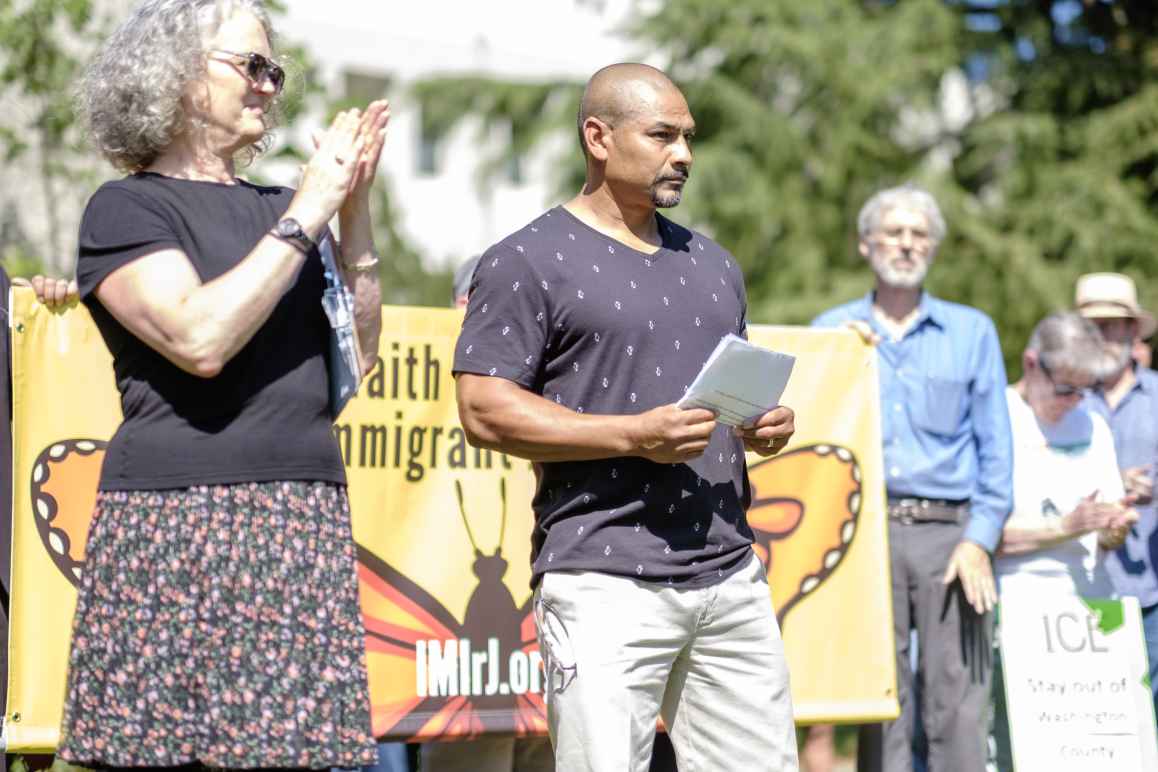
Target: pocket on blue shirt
941	405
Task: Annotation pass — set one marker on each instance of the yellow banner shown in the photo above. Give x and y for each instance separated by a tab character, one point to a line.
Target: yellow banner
443	531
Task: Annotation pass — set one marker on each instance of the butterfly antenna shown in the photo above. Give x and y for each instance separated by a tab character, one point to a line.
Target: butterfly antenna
503	521
462	511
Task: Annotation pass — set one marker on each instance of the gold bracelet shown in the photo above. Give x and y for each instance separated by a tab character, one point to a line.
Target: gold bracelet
361	267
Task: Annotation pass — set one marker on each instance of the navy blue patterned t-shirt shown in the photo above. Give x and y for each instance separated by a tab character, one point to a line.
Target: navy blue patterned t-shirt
582	319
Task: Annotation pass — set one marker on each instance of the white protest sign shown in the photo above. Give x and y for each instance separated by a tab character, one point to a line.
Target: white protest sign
1076	685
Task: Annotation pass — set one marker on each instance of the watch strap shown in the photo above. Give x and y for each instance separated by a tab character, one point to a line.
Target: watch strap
290	230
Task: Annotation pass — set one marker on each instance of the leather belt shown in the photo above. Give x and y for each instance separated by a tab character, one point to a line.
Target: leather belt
914	510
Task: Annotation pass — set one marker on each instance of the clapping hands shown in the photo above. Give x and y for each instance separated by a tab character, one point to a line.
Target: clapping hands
1111	520
1113	534
372	131
345	160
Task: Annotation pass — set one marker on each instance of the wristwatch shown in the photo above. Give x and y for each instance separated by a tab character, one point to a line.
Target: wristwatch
289	229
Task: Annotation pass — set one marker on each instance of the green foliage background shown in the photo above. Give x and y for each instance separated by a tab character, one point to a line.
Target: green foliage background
43	44
804	109
36	65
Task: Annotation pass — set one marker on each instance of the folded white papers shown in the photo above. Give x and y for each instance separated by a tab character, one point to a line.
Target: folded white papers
740	382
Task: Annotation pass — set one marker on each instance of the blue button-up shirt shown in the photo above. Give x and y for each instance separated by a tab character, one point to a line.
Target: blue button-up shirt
944	419
1134	423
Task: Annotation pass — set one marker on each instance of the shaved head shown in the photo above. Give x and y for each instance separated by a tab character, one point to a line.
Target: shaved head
620	92
636	130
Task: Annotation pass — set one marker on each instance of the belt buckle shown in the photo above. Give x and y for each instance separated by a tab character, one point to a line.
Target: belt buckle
906	509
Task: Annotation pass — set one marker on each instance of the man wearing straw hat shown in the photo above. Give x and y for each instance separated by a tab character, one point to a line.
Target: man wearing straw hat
1128	400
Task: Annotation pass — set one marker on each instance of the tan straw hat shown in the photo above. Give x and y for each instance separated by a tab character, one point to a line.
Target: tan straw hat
1112	296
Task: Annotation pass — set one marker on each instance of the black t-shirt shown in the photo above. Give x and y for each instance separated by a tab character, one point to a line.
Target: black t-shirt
582	319
266	415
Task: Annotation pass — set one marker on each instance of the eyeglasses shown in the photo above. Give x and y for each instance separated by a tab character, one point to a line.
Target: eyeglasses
919	238
1063	389
258	68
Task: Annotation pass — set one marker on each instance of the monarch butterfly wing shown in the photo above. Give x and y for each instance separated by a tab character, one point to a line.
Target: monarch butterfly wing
805	506
775	519
64	488
398	614
530	710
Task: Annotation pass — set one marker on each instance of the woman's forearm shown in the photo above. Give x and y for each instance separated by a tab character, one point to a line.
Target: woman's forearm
200	327
357	249
367	290
231	309
1025	535
220	317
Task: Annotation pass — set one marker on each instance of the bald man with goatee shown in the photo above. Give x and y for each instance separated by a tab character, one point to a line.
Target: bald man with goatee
583	330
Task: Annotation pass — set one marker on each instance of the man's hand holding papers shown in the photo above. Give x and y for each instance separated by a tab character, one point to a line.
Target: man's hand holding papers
670	435
742	384
771	432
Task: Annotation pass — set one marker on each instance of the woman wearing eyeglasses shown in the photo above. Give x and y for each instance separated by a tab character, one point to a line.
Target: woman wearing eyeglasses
1068	502
1069	506
217	621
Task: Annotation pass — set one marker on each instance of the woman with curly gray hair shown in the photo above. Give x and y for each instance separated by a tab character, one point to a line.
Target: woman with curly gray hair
217	621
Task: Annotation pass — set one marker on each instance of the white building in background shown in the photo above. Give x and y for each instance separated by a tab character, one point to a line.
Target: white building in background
364	48
371	48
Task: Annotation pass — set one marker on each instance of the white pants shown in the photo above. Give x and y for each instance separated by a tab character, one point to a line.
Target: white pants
619	653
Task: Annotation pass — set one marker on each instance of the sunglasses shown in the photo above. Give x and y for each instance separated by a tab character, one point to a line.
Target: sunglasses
1063	389
258	68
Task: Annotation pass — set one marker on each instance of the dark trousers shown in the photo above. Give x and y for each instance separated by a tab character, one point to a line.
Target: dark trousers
954	659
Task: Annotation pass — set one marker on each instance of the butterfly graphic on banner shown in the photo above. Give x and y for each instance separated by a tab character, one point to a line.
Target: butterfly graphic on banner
64	490
480	675
433	675
804	512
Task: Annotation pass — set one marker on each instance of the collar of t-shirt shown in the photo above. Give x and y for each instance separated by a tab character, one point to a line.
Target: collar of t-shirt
1073	433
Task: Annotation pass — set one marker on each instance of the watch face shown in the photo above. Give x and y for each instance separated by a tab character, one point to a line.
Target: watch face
290	229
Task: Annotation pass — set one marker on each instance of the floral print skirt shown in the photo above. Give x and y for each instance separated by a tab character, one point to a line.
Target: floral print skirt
219	625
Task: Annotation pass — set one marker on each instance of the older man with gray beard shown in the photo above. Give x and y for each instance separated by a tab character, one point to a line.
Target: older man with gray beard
948	460
1128	400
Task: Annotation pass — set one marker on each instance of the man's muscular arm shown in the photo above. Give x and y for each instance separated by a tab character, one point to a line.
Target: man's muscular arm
501	415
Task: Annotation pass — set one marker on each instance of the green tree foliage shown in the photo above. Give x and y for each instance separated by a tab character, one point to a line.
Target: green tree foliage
38	67
38	64
804	109
1066	166
43	45
797	110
